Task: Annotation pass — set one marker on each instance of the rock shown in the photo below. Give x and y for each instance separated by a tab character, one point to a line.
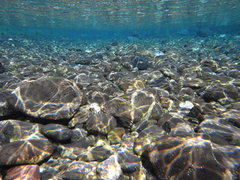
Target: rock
57	132
223	94
22	143
2	69
5	109
100	154
15	130
47	97
100	123
109	169
23	172
222	131
78	134
196	112
115	135
210	64
129	162
77	170
31	151
176	126
188	156
7	80
134	107
146	137
141	62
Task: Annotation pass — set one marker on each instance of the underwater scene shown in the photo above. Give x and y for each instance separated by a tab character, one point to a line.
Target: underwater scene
119	90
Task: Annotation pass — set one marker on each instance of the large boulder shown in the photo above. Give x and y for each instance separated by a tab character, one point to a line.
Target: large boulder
190	156
47	97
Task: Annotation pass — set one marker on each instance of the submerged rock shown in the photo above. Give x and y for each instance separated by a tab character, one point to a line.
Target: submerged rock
23	172
109	169
57	132
136	106
22	143
2	69
188	156
47	97
31	151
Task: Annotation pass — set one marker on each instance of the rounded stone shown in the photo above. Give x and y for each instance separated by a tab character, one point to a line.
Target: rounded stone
25	152
100	123
47	97
23	172
109	169
57	132
135	107
188	156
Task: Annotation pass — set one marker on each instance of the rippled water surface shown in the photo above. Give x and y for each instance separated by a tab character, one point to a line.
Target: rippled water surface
119	14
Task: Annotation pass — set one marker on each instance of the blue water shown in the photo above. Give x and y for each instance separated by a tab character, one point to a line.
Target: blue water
118	19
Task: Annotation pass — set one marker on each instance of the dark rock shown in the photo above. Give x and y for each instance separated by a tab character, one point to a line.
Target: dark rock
109	169
223	94
23	172
2	69
211	64
57	132
115	135
129	162
146	137
177	126
179	157
135	107
222	131
5	109
31	151
196	112
47	97
78	134
100	123
100	154
141	62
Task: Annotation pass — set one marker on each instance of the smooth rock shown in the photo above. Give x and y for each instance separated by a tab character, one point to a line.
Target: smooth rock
47	97
23	172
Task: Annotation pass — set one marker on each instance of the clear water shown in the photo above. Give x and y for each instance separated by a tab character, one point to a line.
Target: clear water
119	18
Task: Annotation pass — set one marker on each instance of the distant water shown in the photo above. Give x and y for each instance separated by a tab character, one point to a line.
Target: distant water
120	18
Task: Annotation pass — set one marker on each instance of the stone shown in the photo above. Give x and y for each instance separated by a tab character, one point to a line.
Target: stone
31	151
23	172
109	169
57	132
2	69
140	62
15	130
5	109
77	170
176	126
134	107
100	123
222	94
115	135
47	97
222	131
100	153
146	137
211	64
22	143
128	161
78	134
189	156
